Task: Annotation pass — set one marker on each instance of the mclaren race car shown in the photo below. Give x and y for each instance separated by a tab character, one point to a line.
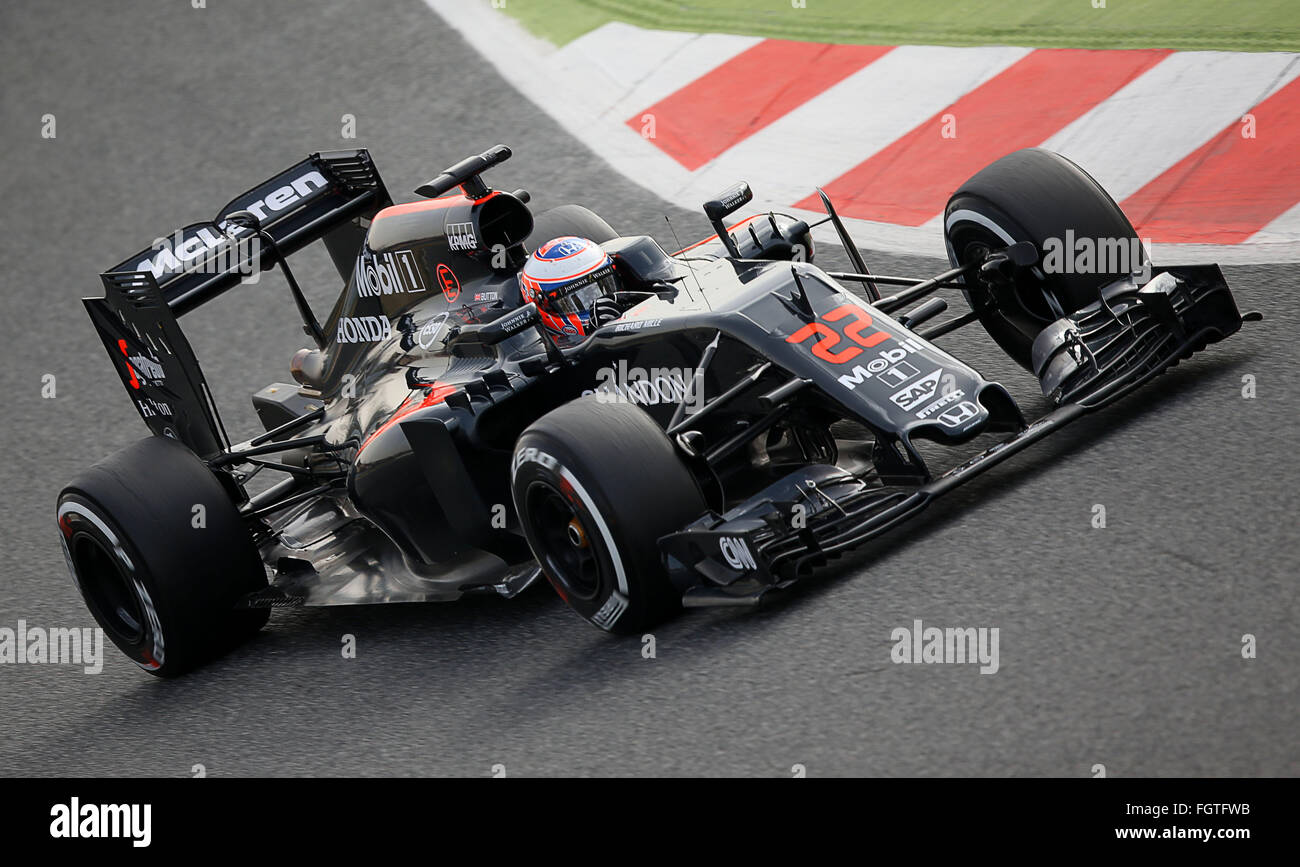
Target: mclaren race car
743	419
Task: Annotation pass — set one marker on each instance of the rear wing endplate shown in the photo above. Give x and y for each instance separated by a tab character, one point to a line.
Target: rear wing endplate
155	362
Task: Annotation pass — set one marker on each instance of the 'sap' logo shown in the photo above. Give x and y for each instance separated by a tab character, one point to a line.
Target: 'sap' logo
918	392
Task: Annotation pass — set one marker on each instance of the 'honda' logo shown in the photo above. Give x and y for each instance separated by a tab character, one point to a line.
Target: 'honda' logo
959	414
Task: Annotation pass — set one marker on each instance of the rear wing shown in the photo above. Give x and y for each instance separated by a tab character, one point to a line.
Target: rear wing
328	196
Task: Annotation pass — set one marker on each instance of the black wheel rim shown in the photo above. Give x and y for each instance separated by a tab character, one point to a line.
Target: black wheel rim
563	541
1029	313
108	589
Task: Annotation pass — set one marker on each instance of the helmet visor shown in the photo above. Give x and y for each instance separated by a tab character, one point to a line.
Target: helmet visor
583	298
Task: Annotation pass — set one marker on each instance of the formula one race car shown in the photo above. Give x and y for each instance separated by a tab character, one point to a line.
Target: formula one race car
742	418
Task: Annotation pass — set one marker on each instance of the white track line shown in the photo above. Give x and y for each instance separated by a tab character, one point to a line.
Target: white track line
631	69
1280	231
592	79
1179	104
531	66
851	120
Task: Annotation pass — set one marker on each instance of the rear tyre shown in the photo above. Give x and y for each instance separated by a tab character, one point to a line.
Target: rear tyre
596	484
1038	196
159	574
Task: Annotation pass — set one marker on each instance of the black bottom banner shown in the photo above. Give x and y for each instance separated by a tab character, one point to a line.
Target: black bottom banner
302	816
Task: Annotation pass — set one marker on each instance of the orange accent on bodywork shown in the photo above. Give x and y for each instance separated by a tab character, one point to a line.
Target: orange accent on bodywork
436	394
730	229
432	205
121	344
822	348
854	330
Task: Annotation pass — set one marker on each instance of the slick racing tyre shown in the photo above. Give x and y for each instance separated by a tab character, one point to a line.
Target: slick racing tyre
160	555
1038	196
596	484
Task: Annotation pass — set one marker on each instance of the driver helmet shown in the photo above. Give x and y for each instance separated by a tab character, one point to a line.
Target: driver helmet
564	277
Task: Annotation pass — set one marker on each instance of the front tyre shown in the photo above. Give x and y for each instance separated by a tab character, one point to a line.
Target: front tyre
161	556
596	483
1038	196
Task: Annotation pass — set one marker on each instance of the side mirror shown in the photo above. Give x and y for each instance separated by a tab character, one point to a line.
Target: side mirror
731	199
512	323
492	333
728	201
1023	254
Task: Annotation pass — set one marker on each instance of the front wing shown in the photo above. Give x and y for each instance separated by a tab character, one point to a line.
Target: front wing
1084	361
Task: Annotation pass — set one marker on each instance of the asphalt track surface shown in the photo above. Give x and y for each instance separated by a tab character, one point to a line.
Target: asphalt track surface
1118	646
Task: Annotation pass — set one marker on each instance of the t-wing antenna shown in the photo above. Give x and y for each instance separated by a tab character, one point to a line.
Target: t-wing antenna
465	174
